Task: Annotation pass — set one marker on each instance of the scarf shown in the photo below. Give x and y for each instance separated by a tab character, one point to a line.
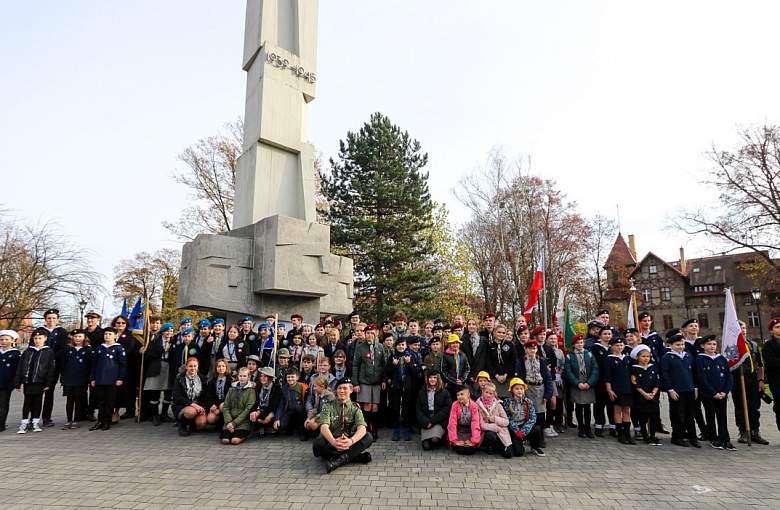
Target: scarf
465	416
193	386
532	370
265	394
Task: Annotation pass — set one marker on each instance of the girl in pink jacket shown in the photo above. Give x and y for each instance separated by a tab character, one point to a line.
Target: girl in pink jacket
494	423
463	428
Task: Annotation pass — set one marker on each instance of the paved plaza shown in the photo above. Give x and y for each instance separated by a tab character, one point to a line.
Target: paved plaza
142	466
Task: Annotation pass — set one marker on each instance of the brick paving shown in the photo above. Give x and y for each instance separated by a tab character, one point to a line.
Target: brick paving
145	467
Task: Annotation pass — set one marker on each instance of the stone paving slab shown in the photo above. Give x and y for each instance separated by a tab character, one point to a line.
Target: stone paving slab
145	467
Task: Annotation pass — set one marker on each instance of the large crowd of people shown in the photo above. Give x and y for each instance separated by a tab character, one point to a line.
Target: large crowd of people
470	385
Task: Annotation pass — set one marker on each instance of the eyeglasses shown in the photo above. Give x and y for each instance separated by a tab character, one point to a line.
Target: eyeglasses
119	322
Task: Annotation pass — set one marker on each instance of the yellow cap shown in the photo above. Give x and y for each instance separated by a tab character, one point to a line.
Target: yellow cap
453	338
517	380
483	374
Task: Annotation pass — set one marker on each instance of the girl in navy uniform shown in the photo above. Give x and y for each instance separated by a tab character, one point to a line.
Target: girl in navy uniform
217	387
677	379
36	372
9	361
76	363
582	373
646	383
715	383
617	378
157	357
108	373
600	351
190	402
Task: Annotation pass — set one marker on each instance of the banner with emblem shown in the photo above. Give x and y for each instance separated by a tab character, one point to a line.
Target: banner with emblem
734	345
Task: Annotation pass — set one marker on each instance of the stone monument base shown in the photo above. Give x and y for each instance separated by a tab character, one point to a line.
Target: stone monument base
278	265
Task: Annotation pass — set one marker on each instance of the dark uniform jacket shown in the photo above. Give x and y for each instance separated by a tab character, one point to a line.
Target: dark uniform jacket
153	357
76	366
9	361
712	374
270	403
500	359
477	359
618	374
95	337
771	357
600	353
646	379
178	355
677	372
109	364
182	400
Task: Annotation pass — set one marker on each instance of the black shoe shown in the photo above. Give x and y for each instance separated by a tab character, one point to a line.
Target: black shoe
589	433
183	431
106	426
96	426
654	441
680	442
613	432
507	452
755	437
728	446
336	463
581	433
156	421
629	437
571	425
538	452
694	443
702	437
717	445
363	458
48	423
743	438
599	432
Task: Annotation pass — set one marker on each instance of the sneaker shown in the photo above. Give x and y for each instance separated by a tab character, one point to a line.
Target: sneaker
654	441
538	452
716	444
22	429
730	447
549	432
66	426
37	427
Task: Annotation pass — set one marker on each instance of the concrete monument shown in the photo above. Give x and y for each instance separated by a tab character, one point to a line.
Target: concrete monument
276	258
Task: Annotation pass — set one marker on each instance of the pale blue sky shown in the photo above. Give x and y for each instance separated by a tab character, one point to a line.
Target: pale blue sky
617	101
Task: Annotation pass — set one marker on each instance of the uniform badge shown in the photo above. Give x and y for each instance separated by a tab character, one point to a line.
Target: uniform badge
241	345
505	347
193	351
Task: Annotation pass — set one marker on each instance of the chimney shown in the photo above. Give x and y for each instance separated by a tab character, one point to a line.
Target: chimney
632	245
683	269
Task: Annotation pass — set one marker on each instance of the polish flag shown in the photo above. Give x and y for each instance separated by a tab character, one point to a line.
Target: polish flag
536	286
734	345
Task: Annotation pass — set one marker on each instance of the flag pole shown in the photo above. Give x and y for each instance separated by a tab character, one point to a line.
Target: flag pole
745	406
276	339
146	332
544	285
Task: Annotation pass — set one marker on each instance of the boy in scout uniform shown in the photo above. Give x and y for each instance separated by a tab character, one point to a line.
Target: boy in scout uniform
343	438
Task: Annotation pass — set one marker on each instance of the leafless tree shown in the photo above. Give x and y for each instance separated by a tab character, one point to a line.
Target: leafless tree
597	240
747	180
40	268
210	176
153	276
515	218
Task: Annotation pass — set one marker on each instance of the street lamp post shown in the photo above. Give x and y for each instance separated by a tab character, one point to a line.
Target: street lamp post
82	306
757	298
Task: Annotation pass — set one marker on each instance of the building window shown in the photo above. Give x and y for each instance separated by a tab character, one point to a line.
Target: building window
668	322
652	269
716	268
666	294
721	318
748	300
752	319
696	269
646	295
704	321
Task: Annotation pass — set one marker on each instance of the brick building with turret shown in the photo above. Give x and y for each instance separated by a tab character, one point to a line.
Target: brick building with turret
673	291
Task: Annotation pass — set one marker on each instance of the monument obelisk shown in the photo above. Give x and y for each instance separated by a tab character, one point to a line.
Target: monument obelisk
277	258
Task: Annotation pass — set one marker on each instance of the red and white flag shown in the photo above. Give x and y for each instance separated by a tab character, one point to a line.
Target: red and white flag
734	345
536	287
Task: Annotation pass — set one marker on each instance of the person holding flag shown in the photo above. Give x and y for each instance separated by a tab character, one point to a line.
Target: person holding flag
748	372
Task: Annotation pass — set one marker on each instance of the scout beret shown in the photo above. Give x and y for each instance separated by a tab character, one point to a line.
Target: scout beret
413	339
296	316
205	323
595	323
672	332
489	315
342	382
615	340
166	327
603	311
41	332
186	320
246	319
78	331
644	315
263	325
631	330
218	321
187	331
773	322
688	322
531	343
704	339
109	330
51	311
537	330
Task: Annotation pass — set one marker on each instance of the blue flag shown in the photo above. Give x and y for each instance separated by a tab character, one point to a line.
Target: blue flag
136	319
124	308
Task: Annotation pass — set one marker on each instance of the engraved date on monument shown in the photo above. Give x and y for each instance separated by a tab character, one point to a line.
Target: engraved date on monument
282	63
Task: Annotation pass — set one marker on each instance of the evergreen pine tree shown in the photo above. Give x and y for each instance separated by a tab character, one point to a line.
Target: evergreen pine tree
380	214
